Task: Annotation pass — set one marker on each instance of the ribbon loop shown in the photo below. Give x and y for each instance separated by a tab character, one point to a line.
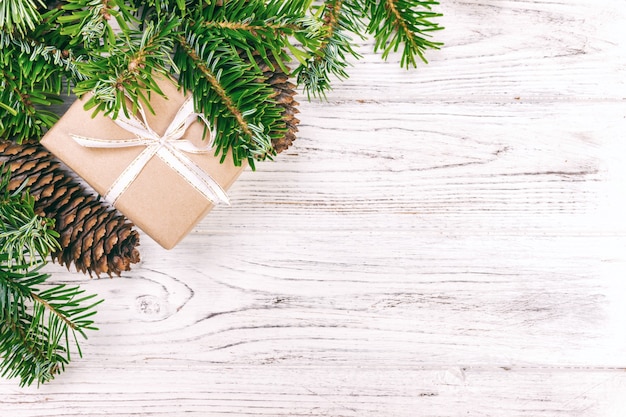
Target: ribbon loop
171	148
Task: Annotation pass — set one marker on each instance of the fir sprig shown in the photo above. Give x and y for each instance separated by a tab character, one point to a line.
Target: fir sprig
38	326
89	21
230	92
128	72
339	19
17	17
27	90
405	24
264	28
33	69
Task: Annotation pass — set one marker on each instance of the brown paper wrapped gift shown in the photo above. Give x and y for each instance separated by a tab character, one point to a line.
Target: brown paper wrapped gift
159	201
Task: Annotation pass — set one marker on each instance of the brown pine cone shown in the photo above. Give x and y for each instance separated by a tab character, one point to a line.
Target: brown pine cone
284	92
93	235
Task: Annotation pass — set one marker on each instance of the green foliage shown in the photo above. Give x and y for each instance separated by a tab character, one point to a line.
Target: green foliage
39	324
334	45
87	22
33	68
23	234
403	24
128	72
18	16
115	48
227	86
27	88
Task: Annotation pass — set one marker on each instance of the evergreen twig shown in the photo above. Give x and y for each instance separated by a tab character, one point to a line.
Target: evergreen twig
38	326
403	24
329	58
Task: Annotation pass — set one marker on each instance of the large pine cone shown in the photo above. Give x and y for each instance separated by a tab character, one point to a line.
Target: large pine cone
284	92
93	236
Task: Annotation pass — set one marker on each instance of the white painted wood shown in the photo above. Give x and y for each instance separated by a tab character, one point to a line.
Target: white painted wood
443	242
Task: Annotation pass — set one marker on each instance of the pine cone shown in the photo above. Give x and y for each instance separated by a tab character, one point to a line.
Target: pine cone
94	236
284	93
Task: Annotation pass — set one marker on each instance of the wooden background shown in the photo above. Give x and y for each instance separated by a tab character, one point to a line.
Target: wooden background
448	241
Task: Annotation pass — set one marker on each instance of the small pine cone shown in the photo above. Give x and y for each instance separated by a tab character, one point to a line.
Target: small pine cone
93	236
284	91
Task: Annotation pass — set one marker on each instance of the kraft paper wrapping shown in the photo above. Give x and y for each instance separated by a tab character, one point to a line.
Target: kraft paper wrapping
160	202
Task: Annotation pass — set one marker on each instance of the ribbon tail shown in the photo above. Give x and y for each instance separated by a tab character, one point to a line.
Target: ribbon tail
128	176
88	142
195	176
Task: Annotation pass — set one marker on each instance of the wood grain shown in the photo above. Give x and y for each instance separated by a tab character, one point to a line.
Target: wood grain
443	242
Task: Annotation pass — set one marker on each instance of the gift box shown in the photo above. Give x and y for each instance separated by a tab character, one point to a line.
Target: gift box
157	169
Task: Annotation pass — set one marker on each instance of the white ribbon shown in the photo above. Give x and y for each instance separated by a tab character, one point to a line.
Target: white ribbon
169	148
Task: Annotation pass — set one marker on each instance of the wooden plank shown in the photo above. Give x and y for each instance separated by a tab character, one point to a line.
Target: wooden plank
355	390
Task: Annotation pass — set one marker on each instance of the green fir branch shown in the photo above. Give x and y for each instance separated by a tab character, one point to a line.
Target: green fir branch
405	24
26	91
128	72
37	51
232	96
339	20
38	326
24	236
18	17
34	67
160	8
259	27
88	22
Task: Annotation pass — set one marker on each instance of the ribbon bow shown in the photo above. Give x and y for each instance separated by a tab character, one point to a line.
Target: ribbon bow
171	148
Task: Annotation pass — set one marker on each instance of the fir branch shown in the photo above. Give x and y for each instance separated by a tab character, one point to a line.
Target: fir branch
19	16
403	23
31	79
231	95
26	117
64	59
36	326
339	18
89	21
39	328
23	234
262	28
160	8
254	29
214	82
128	72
